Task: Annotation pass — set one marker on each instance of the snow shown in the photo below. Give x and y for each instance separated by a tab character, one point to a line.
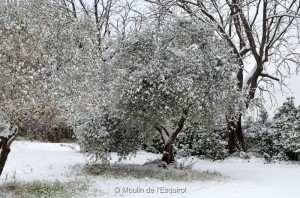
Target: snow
246	178
4	130
29	161
5	133
248	77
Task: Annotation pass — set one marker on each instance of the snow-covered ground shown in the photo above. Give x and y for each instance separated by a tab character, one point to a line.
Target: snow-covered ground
246	179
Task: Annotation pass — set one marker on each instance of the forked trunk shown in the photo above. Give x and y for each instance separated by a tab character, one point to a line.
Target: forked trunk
169	138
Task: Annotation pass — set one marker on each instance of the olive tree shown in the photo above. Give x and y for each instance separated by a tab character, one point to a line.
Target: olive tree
180	71
37	39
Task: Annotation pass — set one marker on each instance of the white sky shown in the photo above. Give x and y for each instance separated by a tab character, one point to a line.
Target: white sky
294	84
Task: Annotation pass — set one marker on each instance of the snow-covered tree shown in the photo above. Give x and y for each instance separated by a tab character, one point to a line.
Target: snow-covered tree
178	71
22	65
37	40
83	86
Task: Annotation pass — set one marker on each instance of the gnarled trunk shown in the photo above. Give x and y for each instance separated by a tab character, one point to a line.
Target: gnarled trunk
169	138
168	155
5	143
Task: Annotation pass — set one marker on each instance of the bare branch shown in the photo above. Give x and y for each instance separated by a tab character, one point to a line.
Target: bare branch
256	14
269	76
83	5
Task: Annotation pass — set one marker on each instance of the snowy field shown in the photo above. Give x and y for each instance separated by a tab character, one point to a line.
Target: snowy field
252	178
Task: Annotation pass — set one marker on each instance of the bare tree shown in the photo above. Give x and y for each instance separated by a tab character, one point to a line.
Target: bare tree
110	17
262	32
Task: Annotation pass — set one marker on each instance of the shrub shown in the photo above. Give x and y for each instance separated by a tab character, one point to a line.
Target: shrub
195	140
144	171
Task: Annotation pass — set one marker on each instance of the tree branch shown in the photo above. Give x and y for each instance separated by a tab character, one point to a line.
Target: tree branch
269	76
180	124
163	134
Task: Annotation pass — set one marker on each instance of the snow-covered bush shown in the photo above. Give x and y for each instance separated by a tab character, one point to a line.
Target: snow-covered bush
98	137
286	125
195	140
261	138
187	141
93	136
42	122
200	140
154	144
278	138
213	144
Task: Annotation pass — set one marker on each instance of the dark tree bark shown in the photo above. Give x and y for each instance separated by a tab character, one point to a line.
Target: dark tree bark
4	153
169	138
236	137
168	155
5	143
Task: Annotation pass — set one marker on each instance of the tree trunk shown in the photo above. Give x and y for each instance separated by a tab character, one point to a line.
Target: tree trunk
4	153
5	143
232	137
169	138
168	155
236	137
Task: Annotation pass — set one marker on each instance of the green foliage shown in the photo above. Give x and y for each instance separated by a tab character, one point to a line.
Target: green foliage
157	74
276	139
41	189
94	137
195	140
151	172
199	140
287	125
99	137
